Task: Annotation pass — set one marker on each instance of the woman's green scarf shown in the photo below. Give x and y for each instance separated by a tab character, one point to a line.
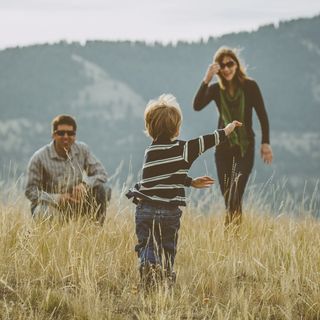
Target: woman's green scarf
232	108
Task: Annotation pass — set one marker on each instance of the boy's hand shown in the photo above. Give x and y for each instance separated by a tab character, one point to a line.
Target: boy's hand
202	182
231	126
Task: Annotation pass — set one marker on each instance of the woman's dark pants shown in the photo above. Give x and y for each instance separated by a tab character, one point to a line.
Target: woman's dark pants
233	173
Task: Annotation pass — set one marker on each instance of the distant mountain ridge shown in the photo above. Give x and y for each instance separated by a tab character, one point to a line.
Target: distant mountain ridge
107	84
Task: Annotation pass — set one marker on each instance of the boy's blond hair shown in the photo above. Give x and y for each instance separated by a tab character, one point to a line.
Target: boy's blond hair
163	117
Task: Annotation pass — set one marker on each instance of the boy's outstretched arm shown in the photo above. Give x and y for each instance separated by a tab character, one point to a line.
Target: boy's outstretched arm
202	182
195	147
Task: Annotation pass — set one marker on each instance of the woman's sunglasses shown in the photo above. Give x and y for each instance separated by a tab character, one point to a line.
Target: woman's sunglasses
229	64
61	133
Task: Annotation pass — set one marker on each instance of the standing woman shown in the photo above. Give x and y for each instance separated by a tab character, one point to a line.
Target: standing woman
235	96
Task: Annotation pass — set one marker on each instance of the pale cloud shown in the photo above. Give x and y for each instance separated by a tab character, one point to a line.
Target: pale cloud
38	21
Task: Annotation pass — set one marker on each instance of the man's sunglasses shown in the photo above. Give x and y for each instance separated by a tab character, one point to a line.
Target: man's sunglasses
61	133
229	64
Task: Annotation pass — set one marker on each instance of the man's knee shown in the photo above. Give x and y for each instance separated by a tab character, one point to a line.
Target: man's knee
108	193
43	211
102	193
102	196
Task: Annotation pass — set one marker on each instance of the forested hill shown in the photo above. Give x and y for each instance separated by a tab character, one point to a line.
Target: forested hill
106	85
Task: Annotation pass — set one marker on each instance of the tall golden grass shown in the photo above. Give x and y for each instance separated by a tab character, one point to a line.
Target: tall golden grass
80	270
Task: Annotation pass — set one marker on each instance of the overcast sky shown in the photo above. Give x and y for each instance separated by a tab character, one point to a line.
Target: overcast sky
24	22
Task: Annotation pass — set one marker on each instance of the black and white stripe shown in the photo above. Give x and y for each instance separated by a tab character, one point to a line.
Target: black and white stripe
166	166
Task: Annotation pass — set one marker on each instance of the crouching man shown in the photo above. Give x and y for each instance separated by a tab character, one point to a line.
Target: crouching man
65	178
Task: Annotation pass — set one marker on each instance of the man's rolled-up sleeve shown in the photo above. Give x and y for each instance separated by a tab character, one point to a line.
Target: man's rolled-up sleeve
33	186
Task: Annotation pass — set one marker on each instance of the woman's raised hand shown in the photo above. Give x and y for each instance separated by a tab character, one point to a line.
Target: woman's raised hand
212	70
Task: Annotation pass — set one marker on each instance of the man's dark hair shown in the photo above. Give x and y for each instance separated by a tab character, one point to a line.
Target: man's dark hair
63	119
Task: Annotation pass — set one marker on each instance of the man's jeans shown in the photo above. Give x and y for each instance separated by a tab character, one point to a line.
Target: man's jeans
157	232
96	201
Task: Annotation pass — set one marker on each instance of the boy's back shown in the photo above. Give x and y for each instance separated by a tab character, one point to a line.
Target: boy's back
166	166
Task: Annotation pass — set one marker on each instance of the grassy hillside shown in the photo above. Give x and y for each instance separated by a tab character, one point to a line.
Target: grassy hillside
106	85
80	270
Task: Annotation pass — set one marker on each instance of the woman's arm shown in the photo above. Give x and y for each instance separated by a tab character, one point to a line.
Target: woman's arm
206	92
204	96
260	109
258	103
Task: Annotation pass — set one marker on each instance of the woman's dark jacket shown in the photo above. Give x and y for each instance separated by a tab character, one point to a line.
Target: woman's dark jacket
253	100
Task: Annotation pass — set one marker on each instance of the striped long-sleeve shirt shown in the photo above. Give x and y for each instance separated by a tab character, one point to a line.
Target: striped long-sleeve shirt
166	166
50	175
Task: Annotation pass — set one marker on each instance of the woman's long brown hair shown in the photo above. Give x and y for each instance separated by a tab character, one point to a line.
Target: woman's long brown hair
240	75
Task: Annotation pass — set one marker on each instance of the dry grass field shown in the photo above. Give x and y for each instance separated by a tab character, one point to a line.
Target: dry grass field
80	270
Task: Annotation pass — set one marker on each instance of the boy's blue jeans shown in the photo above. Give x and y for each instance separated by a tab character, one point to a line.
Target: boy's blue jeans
157	232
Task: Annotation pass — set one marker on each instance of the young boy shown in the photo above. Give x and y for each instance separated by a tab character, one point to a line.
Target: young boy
161	190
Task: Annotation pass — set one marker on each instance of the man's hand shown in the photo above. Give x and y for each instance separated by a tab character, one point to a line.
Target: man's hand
202	182
66	198
79	192
231	126
266	153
